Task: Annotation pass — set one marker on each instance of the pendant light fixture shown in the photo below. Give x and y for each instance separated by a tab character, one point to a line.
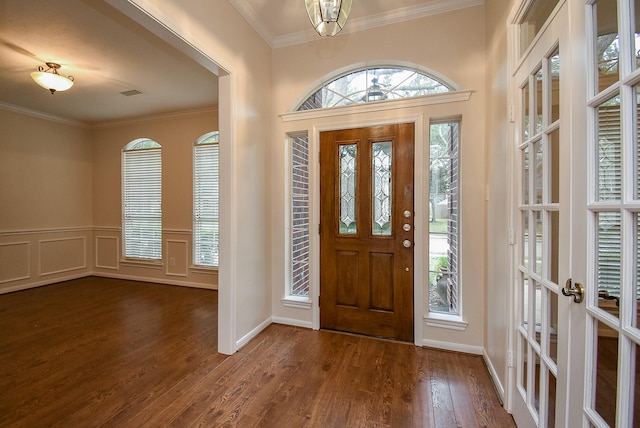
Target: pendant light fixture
50	79
328	16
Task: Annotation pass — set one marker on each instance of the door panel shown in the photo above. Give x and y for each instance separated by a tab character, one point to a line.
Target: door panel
543	226
611	204
366	236
588	223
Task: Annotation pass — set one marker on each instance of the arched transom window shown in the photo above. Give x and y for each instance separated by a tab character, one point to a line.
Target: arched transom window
373	84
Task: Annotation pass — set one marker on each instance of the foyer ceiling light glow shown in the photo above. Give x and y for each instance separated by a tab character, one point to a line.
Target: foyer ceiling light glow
50	79
328	16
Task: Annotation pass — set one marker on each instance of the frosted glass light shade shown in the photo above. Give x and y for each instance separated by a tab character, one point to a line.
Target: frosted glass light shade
328	16
50	79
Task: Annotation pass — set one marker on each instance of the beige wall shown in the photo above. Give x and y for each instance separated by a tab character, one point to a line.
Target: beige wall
176	134
452	45
45	201
45	172
60	215
498	206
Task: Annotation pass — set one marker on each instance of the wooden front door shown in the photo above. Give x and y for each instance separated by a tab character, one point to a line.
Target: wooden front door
366	231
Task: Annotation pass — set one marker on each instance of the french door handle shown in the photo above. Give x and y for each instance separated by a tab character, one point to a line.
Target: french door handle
574	289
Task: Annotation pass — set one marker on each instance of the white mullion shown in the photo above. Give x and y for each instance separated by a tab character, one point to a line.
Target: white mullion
591	371
591	29
530	378
628	112
625	383
625	39
543	403
627	141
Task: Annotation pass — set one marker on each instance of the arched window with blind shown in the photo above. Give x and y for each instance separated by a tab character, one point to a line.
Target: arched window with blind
206	191
142	200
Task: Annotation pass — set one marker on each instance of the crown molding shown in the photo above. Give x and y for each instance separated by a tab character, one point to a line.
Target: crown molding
109	123
354	25
249	13
41	115
160	116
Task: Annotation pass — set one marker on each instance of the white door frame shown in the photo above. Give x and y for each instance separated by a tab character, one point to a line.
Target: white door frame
155	22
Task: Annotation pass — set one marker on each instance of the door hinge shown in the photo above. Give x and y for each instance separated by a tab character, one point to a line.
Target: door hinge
319	229
318	300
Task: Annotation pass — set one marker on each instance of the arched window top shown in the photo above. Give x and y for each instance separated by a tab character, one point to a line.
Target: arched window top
374	83
208	138
141	144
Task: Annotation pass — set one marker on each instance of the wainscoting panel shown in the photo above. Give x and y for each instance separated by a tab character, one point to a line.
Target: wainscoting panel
177	257
107	252
14	261
62	255
36	257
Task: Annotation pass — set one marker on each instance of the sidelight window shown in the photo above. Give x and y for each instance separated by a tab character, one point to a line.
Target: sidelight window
299	217
444	210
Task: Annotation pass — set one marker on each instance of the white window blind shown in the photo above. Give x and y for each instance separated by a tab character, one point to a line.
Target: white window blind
206	193
142	200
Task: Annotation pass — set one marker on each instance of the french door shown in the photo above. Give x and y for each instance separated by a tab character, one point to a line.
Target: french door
543	225
576	281
366	237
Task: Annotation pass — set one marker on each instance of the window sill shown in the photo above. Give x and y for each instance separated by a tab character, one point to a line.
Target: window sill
203	269
299	302
154	264
451	322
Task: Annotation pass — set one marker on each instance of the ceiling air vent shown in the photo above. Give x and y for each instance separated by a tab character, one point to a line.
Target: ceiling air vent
131	93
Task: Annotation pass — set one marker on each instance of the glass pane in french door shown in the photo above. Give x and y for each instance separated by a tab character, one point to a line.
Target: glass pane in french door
613	207
540	212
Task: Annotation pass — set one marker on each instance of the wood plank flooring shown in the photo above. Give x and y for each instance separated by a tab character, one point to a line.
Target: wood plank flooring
112	353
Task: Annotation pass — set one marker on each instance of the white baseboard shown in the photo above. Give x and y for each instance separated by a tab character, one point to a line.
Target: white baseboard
154	280
457	347
253	333
494	377
291	321
42	283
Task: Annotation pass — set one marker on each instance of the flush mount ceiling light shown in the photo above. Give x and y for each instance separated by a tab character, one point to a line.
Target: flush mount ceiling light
50	79
328	16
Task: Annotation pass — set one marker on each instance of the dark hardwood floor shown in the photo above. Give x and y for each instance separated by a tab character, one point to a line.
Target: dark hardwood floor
105	352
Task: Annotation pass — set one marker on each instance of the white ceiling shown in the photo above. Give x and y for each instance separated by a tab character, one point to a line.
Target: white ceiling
107	53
